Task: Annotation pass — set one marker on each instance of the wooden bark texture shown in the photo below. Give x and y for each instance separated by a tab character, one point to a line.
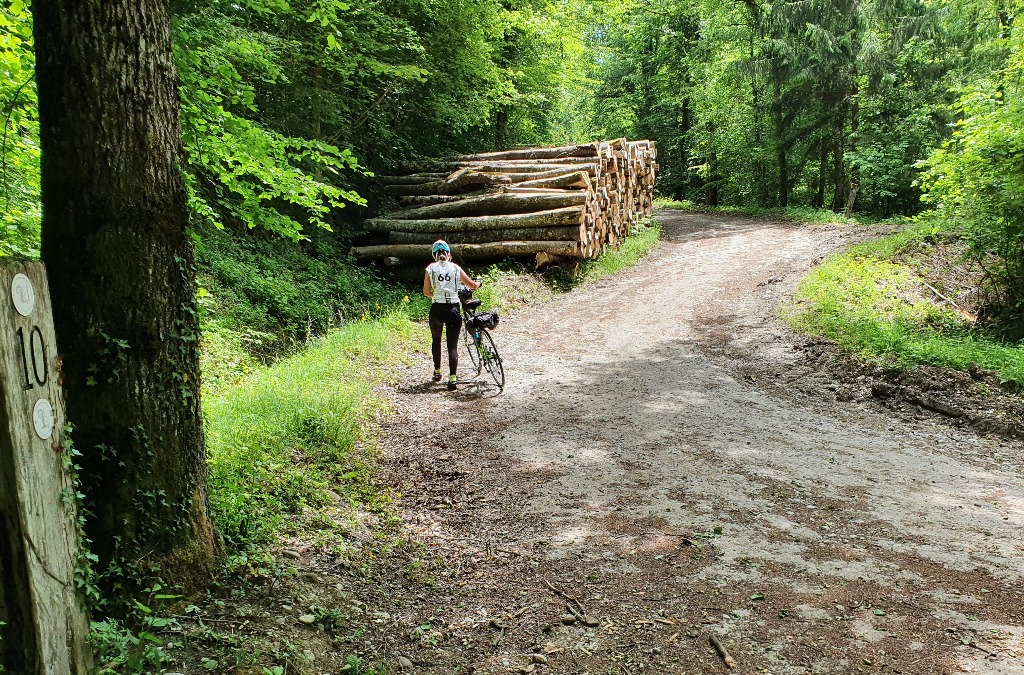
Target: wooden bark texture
567	233
114	240
492	249
572	215
611	182
46	624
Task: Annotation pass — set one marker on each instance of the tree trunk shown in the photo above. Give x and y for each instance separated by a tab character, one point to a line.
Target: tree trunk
578	179
851	197
572	215
121	272
713	199
494	249
681	192
783	162
415	179
459	181
567	233
494	204
527	164
819	197
501	128
585	150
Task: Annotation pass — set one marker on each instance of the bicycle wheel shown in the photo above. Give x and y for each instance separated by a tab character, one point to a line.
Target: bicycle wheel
490	358
473	351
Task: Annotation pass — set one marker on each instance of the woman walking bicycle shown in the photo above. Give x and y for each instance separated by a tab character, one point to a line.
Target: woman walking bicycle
441	283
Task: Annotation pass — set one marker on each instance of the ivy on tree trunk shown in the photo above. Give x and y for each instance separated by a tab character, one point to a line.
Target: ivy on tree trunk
114	238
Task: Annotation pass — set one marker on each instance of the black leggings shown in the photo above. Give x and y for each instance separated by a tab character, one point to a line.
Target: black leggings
445	316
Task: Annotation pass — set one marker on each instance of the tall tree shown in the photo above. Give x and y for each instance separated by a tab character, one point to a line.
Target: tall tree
114	239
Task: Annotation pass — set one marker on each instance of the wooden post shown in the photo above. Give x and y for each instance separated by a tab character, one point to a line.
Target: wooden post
44	624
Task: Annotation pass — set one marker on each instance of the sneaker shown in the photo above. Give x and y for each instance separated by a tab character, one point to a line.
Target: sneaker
436	377
452	383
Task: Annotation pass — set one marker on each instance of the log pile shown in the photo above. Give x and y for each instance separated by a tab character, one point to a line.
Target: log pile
568	201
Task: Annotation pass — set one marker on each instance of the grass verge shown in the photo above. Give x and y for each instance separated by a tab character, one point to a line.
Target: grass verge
510	286
281	439
644	238
871	302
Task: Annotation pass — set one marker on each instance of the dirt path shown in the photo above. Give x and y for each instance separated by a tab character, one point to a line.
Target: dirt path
652	457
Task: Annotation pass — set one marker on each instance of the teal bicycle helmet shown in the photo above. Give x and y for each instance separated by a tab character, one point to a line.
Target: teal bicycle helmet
440	246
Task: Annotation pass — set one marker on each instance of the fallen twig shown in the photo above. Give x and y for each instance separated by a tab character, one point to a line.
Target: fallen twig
206	619
730	662
974	644
967	315
560	592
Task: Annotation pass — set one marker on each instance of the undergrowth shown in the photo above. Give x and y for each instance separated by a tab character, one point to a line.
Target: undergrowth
270	295
871	303
281	437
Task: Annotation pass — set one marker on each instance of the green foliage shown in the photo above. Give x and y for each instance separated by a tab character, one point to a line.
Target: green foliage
241	169
508	287
19	165
263	294
776	104
976	179
283	435
122	650
879	308
392	83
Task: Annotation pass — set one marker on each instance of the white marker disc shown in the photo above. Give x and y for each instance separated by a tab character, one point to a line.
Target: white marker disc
42	419
23	294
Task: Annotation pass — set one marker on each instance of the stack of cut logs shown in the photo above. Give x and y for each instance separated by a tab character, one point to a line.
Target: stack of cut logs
560	202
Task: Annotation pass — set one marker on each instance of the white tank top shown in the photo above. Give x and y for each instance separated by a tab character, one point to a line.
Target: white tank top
444	279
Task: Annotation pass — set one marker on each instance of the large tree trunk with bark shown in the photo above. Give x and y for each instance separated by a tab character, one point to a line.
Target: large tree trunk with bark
571	215
121	274
494	204
565	233
496	249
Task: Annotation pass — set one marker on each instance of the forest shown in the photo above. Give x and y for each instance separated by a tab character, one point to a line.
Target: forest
860	111
882	108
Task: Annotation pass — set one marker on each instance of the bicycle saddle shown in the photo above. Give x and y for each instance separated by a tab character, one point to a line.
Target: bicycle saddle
472	304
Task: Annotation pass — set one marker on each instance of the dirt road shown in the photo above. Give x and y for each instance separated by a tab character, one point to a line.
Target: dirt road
662	455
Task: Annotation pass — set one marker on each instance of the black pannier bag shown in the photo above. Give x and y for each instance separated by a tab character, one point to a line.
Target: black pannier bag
487	320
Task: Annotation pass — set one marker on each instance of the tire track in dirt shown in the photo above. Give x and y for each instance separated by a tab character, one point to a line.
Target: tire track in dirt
626	465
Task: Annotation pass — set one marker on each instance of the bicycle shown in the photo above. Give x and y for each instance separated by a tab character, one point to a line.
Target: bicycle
483	353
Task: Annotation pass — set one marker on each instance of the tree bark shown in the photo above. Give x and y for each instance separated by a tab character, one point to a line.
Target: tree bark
459	181
585	150
578	179
532	165
572	215
567	233
494	249
414	179
501	164
851	197
494	205
782	157
121	272
819	197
